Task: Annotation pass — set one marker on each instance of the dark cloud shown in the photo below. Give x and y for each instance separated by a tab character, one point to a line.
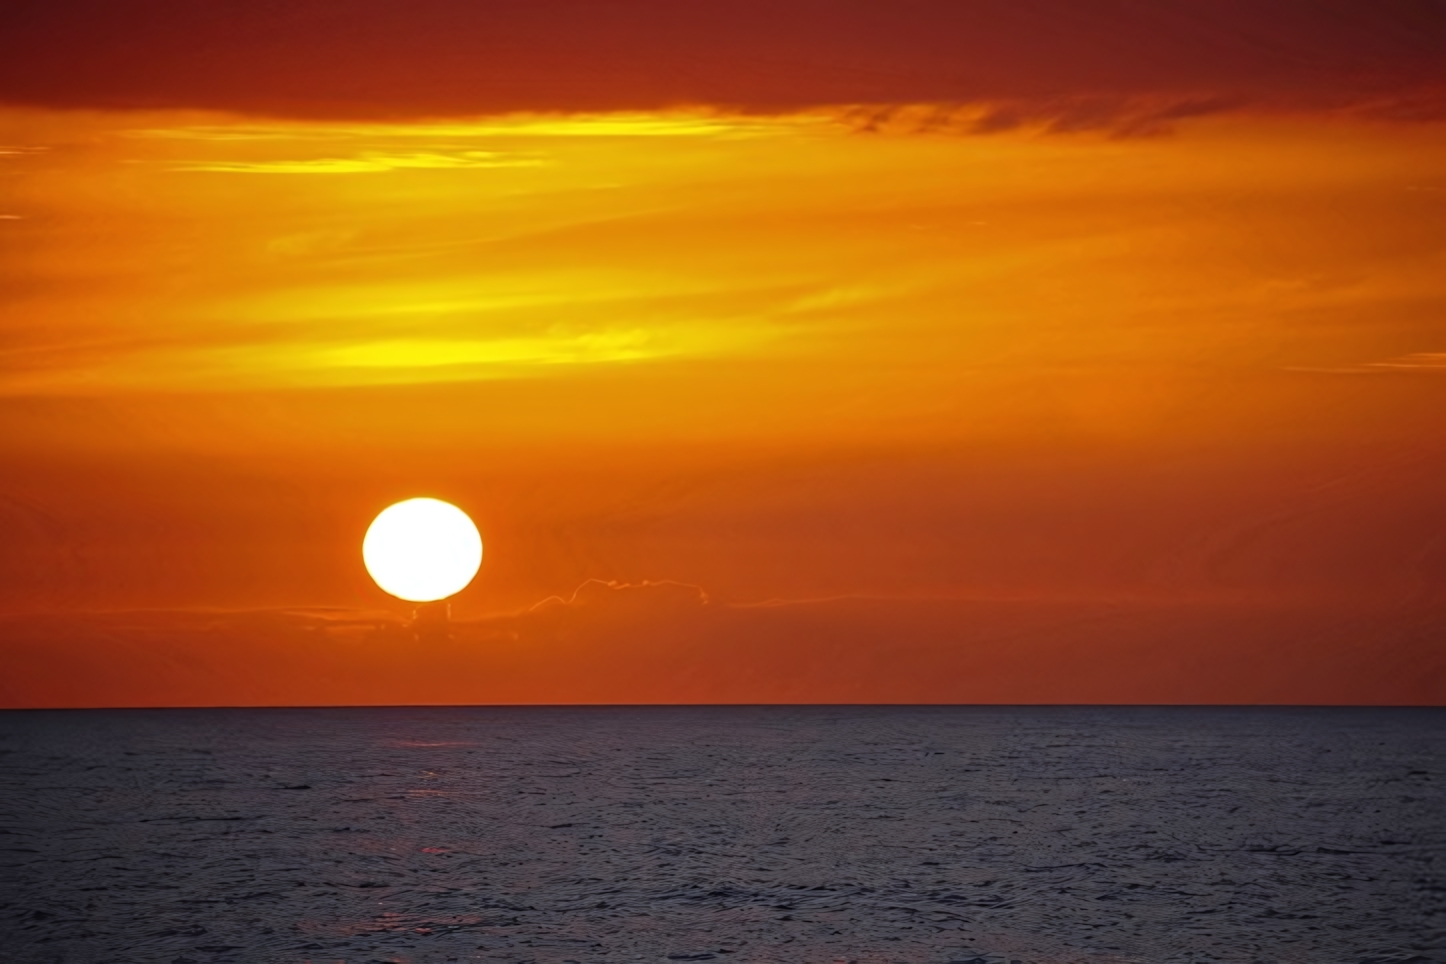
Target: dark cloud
1118	115
430	57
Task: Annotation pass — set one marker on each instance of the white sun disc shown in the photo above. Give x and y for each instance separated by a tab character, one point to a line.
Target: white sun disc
422	549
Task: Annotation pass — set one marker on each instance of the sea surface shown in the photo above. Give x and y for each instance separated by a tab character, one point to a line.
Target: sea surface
728	834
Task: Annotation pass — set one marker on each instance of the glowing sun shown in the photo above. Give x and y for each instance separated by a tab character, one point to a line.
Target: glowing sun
422	549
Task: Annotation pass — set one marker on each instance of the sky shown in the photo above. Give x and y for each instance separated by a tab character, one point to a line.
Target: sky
1027	352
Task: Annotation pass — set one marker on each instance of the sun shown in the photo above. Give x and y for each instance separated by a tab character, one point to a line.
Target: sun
422	549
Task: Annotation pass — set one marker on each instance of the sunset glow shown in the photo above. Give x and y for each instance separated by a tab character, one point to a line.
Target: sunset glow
1102	342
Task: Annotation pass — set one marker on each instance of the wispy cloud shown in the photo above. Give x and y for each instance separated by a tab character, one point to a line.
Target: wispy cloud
1423	362
531	246
595	347
373	361
668	124
365	162
1116	116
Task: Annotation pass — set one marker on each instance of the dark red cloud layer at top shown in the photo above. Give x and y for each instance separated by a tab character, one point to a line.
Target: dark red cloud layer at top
437	57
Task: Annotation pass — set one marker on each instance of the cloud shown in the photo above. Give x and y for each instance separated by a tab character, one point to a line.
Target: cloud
377	361
364	162
1424	362
610	593
614	124
1120	116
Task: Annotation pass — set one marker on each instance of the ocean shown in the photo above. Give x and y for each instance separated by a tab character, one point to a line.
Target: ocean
572	835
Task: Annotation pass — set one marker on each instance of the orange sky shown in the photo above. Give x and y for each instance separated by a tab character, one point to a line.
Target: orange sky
884	402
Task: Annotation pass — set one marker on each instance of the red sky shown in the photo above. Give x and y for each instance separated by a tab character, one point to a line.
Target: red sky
839	352
376	58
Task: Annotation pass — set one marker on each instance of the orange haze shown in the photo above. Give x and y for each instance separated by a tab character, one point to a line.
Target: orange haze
797	402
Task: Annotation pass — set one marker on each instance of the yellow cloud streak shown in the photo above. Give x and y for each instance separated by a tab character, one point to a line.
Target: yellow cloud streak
365	162
910	268
378	362
624	125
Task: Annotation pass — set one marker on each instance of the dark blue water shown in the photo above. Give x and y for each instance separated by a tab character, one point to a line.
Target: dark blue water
853	834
